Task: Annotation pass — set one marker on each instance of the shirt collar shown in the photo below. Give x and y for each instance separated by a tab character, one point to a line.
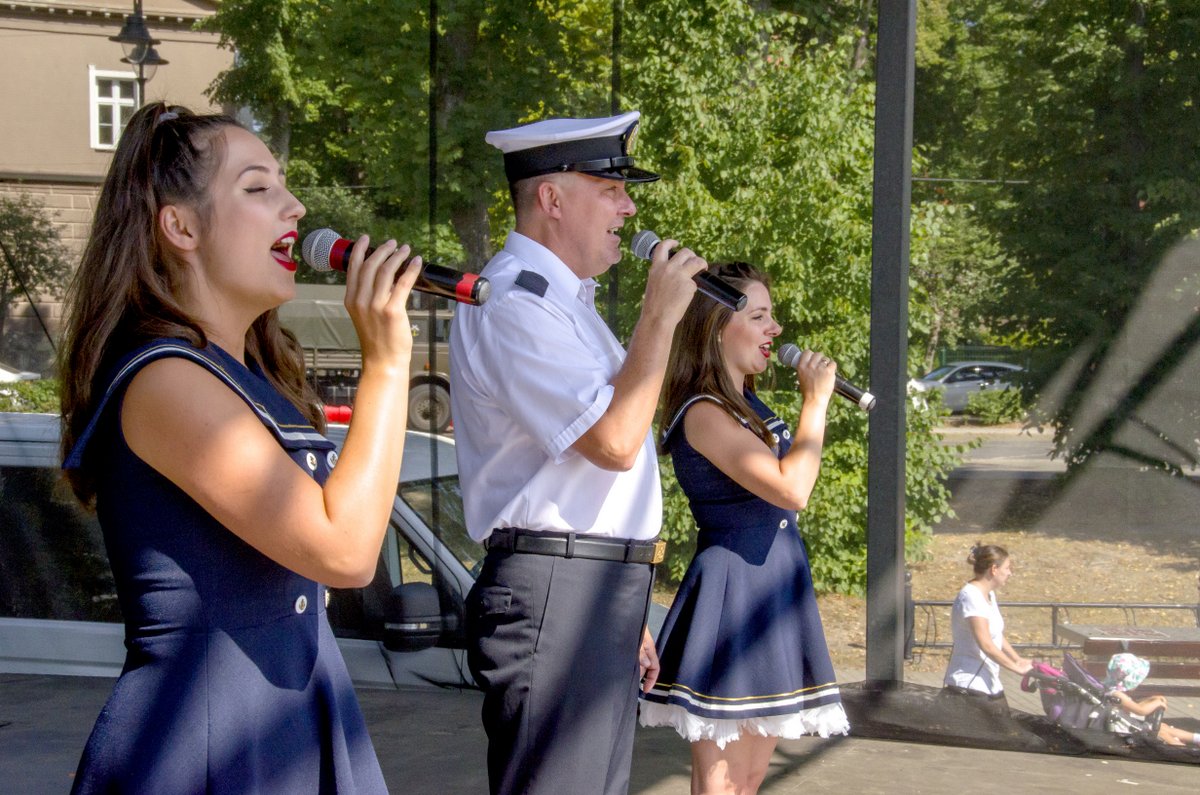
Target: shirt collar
564	285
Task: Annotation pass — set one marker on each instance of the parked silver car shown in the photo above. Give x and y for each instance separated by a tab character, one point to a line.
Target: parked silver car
959	380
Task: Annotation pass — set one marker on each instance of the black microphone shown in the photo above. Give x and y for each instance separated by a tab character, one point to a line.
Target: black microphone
325	250
789	354
717	289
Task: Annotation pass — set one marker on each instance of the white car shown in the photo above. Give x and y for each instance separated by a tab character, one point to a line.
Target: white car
959	380
9	374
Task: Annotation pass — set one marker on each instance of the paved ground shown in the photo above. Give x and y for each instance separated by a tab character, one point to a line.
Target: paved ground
430	741
1005	448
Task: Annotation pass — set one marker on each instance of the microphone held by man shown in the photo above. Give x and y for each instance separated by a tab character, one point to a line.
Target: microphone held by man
325	250
789	354
643	245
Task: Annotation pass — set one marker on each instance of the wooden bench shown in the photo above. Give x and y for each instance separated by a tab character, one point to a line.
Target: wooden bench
1173	652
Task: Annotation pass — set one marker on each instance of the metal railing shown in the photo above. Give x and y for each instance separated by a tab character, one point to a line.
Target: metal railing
1059	612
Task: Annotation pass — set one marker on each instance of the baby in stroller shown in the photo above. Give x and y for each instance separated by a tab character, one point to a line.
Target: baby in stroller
1075	699
1127	671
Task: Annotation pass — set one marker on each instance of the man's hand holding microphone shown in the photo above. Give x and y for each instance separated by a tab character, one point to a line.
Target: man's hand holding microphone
670	283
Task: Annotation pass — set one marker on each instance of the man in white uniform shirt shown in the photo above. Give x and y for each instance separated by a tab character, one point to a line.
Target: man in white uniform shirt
558	468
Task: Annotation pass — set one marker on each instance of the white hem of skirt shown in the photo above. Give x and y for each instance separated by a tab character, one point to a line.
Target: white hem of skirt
825	720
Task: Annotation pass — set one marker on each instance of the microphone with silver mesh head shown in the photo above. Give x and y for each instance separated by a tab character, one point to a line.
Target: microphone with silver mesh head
326	250
717	289
789	354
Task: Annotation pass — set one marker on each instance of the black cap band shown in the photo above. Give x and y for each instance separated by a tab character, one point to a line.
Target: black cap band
600	157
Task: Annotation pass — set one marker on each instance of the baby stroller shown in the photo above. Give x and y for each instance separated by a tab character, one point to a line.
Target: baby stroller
1074	699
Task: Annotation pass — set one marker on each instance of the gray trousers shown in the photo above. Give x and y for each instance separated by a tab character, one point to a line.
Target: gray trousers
554	642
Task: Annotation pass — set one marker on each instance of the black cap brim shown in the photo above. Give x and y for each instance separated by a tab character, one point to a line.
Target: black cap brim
628	174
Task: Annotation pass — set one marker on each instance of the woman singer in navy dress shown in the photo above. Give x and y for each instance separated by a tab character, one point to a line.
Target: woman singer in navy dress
189	426
742	652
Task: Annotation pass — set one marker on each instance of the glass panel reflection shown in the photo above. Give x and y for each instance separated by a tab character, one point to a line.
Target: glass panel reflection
52	559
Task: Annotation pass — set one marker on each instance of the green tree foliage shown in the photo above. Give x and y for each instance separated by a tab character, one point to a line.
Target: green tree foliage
1088	113
33	264
996	406
274	45
40	396
765	138
958	282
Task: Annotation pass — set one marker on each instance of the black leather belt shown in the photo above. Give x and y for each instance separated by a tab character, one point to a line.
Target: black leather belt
575	545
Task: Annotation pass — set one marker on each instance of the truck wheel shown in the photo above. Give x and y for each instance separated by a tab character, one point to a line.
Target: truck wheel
428	407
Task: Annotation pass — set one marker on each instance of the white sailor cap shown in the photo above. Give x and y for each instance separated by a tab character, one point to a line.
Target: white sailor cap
599	147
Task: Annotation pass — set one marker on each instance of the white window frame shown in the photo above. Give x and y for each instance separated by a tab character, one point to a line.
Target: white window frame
95	101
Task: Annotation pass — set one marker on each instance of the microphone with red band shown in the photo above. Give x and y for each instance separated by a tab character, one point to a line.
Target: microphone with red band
325	250
789	354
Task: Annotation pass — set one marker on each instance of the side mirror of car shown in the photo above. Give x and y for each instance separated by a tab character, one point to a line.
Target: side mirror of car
414	618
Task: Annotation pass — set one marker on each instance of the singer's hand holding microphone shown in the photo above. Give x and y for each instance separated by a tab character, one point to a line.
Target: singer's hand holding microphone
378	283
670	283
645	245
809	364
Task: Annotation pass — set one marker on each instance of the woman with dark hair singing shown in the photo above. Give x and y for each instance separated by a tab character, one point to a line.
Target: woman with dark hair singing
188	425
742	652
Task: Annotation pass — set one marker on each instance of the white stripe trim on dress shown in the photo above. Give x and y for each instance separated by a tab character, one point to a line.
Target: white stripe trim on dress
687	404
746	705
302	433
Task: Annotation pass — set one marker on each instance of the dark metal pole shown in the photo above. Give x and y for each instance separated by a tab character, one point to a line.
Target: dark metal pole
614	101
433	74
141	78
431	338
889	338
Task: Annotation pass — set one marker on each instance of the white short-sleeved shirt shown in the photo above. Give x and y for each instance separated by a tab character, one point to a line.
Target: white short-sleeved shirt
969	667
531	371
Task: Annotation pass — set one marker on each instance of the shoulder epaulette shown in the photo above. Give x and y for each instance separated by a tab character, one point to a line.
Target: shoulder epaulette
534	282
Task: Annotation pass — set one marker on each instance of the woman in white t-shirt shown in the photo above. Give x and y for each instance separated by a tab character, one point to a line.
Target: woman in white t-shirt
980	649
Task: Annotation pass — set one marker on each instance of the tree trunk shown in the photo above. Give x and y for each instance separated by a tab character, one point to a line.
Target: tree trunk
3	317
862	44
935	336
1135	139
281	132
471	224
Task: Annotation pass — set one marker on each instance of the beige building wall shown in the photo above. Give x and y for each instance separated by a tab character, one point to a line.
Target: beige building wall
48	49
47	53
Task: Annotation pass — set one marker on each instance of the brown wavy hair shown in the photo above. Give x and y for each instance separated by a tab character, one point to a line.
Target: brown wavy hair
126	291
697	366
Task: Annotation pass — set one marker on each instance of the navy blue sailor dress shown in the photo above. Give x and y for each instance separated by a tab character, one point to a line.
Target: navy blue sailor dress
233	682
742	649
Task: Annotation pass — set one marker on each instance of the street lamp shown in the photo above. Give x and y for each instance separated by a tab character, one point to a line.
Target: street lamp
138	45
